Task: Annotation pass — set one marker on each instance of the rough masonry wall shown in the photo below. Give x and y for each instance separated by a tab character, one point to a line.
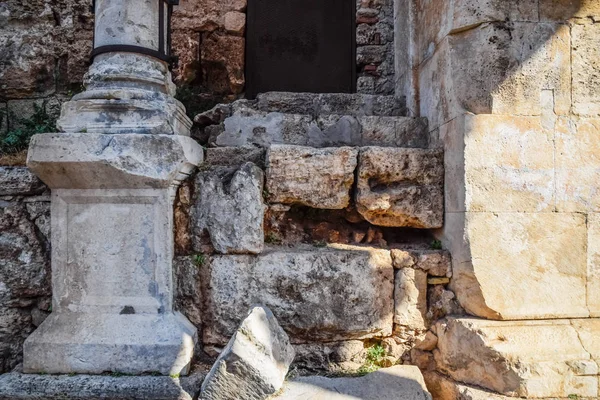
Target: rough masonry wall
24	259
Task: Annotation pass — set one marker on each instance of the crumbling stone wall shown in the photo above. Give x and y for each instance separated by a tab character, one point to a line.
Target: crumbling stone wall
24	259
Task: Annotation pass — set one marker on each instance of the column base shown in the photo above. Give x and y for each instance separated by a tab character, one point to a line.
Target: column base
96	343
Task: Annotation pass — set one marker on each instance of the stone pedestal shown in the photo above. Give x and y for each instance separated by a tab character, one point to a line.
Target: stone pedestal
112	236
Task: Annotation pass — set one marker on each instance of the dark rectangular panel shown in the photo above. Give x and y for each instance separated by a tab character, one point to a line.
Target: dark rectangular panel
300	46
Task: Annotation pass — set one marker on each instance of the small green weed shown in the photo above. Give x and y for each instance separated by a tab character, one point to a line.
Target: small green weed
573	397
199	259
16	140
436	245
320	243
174	376
374	359
272	238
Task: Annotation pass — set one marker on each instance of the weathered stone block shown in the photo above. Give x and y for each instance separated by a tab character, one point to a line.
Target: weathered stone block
508	164
577	164
523	359
593	264
309	290
233	214
401	187
19	181
255	362
514	262
410	299
433	262
586	67
318	178
17	386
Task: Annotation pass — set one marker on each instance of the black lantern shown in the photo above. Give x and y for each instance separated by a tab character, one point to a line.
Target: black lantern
165	11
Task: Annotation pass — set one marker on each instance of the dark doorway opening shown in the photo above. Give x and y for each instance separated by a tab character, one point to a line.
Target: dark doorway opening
301	46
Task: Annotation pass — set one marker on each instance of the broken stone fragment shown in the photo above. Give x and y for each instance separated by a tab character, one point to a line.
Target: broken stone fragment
232	215
401	187
255	362
318	178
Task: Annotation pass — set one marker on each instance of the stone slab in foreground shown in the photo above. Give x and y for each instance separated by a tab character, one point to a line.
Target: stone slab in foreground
328	294
255	362
401	382
17	386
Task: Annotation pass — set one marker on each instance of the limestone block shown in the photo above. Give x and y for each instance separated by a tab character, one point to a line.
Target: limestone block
593	264
433	262
327	294
401	187
509	164
523	359
318	178
497	68
437	19
586	78
401	382
19	181
233	214
577	164
18	386
410	299
255	362
588	331
519	265
90	161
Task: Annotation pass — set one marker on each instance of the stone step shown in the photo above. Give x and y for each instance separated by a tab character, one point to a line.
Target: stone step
401	382
247	126
331	104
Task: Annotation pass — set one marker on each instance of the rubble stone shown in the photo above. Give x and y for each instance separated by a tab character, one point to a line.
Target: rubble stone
19	181
401	187
233	214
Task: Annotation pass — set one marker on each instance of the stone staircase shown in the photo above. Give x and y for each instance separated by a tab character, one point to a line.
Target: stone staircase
315	120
